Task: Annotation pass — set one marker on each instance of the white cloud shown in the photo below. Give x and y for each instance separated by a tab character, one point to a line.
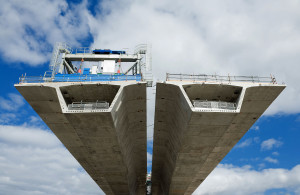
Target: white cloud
149	156
149	160
261	166
13	103
245	143
33	161
34	119
275	153
256	128
248	142
150	112
271	160
269	144
7	118
28	29
239	38
24	136
256	139
228	180
244	38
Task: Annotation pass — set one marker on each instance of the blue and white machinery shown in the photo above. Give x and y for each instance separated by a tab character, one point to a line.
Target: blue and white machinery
86	64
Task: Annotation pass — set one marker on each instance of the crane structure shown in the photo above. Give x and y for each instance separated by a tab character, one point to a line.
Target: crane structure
98	111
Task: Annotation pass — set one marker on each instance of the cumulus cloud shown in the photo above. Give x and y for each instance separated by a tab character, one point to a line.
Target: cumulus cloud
34	119
150	112
269	144
149	156
261	166
244	38
33	161
271	160
12	103
245	143
7	118
229	179
28	30
149	160
239	38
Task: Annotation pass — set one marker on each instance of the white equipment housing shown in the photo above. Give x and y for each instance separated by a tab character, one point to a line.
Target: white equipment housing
108	67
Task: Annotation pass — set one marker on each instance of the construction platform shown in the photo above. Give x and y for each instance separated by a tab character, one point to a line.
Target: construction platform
102	124
198	120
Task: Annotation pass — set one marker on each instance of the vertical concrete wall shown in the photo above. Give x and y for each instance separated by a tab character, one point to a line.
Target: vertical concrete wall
129	115
189	142
110	144
172	114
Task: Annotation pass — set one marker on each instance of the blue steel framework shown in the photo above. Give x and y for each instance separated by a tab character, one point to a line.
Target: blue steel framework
80	78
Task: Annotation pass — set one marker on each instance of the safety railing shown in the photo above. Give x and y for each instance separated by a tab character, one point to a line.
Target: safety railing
34	79
79	78
82	50
218	78
140	49
65	47
214	104
88	105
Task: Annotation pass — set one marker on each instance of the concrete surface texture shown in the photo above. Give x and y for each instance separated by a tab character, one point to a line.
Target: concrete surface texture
110	144
189	142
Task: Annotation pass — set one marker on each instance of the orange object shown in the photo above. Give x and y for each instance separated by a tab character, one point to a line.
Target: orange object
119	71
79	71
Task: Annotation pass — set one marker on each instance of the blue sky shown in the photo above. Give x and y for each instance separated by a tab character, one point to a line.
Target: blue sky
232	37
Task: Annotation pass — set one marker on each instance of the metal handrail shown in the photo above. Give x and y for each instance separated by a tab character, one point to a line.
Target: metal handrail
140	47
214	104
88	105
82	50
79	78
218	78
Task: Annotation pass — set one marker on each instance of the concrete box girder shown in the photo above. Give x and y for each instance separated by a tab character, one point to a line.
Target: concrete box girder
228	93
189	142
110	144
